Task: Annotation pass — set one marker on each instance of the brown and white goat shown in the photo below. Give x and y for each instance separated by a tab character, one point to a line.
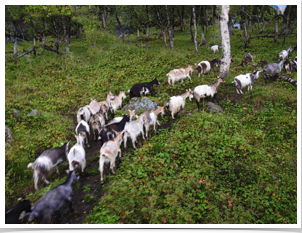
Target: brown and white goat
150	118
97	122
117	102
203	91
179	74
109	151
177	103
105	104
94	106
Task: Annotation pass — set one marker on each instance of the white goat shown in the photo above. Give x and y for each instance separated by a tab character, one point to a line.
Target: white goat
105	104
118	119
109	151
83	114
284	53
133	129
176	103
244	80
215	48
77	154
203	91
117	102
94	106
179	74
150	118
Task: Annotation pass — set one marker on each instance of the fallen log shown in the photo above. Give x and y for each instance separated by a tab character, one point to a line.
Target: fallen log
29	51
287	79
51	49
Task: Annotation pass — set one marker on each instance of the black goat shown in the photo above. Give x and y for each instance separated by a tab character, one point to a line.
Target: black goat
54	200
12	216
108	132
141	89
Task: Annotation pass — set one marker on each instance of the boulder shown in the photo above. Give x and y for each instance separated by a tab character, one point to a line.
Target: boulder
214	107
8	136
34	112
16	113
140	104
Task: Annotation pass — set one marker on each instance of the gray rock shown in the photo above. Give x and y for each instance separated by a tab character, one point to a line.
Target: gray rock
16	113
264	109
8	136
293	163
140	104
34	112
214	107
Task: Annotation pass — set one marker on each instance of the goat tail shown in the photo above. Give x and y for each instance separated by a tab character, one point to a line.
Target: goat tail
29	165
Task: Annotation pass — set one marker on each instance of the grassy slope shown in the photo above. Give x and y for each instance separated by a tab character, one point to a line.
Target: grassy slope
211	165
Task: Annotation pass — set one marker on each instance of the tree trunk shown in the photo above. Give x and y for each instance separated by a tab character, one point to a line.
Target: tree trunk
103	18
111	16
137	32
225	42
34	39
162	31
276	26
169	27
246	43
15	47
182	18
65	34
263	21
286	25
202	19
191	31
148	31
195	33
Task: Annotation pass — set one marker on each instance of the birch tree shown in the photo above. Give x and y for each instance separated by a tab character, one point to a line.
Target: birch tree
225	42
195	29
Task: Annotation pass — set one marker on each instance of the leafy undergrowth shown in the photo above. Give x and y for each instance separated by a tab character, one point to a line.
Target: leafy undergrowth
234	167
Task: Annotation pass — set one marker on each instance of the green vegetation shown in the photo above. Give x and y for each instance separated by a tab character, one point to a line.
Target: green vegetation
233	167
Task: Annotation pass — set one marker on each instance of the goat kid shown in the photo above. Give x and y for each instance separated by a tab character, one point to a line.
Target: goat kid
243	80
203	91
48	160
177	103
150	118
179	74
204	67
105	104
109	151
54	200
133	129
215	48
284	53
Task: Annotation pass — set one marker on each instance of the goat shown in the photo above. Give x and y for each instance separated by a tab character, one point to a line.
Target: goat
271	70
141	89
287	65
83	114
94	106
77	154
215	48
204	67
97	122
54	200
248	58
83	128
12	216
179	74
117	102
150	118
284	53
294	64
46	161
105	104
133	129
203	91
109	151
177	103
244	80
118	119
108	132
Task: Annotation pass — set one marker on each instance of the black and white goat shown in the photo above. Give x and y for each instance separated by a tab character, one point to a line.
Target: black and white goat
12	216
244	80
54	200
141	89
284	53
204	67
108	132
83	128
46	161
118	119
77	155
